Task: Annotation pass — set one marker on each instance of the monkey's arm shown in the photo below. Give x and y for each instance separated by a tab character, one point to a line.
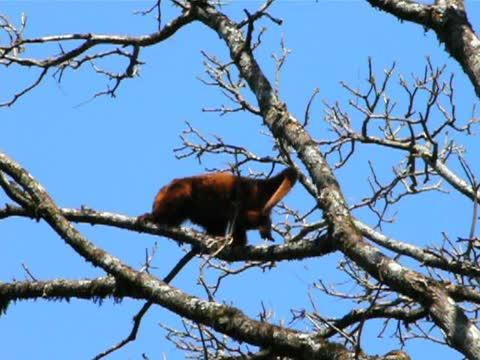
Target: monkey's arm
257	219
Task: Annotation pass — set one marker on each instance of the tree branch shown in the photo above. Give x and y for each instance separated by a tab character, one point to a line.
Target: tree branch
459	330
224	319
448	19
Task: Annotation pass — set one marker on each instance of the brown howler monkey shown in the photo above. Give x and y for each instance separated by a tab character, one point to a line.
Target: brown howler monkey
219	200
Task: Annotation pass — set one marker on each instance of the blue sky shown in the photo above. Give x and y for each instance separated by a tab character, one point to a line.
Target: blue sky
114	154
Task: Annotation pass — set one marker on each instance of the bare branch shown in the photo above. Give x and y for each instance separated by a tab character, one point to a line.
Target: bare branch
10	53
449	21
446	314
137	319
219	317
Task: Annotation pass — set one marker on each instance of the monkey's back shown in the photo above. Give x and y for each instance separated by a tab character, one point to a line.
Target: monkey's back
212	199
204	199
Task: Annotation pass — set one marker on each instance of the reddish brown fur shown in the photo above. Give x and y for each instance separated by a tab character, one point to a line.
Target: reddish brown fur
212	200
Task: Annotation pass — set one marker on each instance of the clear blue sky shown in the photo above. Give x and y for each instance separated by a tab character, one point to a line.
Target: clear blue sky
114	154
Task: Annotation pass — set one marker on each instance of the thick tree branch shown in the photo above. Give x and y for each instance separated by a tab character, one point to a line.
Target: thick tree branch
458	329
222	318
61	289
448	19
289	251
137	319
